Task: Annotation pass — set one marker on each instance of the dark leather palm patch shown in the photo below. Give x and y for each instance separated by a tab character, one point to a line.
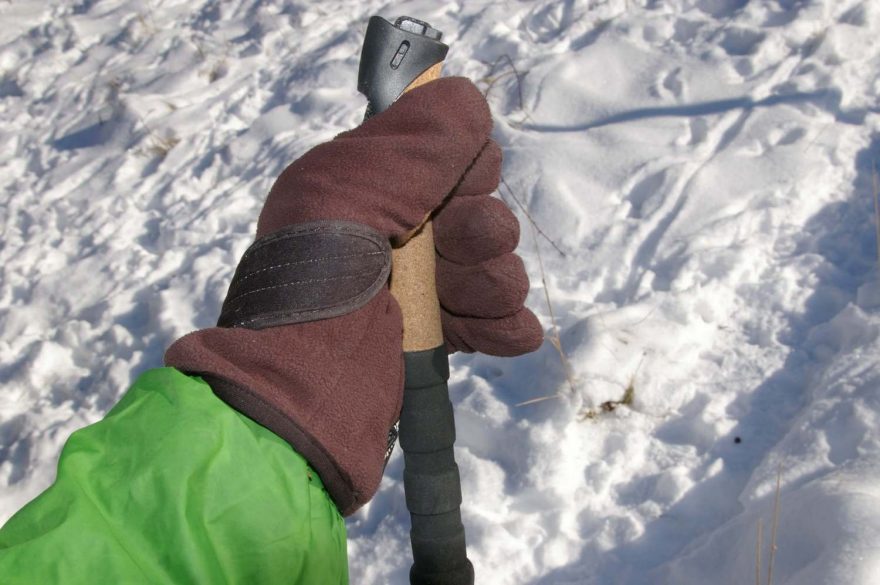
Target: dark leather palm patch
306	272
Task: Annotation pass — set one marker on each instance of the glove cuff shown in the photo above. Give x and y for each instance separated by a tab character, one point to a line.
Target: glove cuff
325	387
306	272
254	405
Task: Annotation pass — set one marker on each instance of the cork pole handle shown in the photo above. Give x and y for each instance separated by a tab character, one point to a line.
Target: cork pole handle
413	282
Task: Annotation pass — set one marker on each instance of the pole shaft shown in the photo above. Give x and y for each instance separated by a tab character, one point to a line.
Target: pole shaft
427	426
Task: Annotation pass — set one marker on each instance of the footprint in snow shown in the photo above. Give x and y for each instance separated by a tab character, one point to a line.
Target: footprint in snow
644	196
670	85
787	135
740	42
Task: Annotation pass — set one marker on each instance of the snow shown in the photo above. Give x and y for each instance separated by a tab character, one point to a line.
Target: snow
701	175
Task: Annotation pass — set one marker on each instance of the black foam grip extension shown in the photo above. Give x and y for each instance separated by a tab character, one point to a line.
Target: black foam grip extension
431	480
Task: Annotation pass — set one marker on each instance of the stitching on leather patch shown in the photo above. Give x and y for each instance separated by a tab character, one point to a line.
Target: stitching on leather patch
307	272
296	282
312	261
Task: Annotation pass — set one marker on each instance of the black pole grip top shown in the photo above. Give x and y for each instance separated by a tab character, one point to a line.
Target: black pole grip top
393	56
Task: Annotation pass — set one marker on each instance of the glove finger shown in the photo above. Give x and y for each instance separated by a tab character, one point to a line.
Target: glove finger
393	169
484	174
492	289
506	337
470	230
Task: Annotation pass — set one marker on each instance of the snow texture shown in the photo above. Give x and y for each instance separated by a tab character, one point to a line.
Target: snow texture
701	173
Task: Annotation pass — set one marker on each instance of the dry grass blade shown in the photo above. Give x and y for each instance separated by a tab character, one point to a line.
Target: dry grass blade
539	399
875	183
491	81
629	396
160	146
492	78
773	546
758	552
759	544
554	338
531	219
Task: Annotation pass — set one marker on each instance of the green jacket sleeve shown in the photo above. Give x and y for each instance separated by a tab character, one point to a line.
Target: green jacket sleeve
173	486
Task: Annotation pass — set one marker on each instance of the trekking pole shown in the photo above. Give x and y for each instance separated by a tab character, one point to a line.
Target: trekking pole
396	58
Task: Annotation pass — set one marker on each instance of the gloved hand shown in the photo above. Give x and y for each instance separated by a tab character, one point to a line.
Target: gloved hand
309	342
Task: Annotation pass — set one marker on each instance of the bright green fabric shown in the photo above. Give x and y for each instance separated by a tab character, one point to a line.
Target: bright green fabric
173	486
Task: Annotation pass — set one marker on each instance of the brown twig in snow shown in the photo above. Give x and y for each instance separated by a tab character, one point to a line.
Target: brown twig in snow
554	337
490	81
529	216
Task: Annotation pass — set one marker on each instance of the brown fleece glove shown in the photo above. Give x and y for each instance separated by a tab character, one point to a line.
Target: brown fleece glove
333	387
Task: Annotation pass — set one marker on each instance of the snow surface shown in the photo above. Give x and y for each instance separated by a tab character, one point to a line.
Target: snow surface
704	168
